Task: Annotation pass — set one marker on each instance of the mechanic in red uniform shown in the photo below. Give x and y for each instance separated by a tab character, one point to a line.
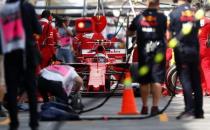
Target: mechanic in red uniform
205	51
47	39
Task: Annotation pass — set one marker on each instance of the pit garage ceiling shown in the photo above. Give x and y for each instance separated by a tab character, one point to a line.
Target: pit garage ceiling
93	3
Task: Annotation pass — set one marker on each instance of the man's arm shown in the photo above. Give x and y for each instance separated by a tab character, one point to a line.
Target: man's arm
68	31
131	31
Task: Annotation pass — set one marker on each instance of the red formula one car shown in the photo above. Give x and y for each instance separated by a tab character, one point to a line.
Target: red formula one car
99	60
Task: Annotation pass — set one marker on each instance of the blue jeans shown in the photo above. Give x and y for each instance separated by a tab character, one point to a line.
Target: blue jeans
65	55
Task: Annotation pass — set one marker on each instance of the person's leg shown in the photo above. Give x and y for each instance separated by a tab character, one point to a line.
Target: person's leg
59	55
205	65
144	90
30	86
196	86
185	79
13	64
67	56
156	93
203	81
72	56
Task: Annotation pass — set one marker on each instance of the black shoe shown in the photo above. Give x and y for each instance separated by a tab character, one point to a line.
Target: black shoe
185	114
154	110
199	116
144	110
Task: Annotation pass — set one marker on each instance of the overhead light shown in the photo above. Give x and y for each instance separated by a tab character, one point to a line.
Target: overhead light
116	13
81	25
84	25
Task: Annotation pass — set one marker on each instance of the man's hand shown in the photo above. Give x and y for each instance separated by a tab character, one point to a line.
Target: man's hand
130	33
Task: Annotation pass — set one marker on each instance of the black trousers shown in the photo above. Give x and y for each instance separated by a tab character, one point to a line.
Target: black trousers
52	87
189	75
15	72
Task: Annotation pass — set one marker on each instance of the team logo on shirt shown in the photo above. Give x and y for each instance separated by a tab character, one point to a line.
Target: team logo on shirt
150	18
186	16
149	21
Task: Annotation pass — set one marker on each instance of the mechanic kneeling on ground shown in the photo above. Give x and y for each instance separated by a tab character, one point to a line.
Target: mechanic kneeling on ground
63	82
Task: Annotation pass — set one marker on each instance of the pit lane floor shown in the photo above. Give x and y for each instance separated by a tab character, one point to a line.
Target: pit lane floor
113	106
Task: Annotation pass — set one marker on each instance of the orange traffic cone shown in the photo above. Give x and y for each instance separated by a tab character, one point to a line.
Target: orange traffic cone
128	106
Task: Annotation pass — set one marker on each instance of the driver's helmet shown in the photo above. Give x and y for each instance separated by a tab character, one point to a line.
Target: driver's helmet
100	57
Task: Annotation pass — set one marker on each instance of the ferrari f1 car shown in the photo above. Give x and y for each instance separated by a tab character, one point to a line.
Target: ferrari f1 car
99	61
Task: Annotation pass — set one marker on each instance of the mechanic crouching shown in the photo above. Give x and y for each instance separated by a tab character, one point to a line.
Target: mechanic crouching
63	82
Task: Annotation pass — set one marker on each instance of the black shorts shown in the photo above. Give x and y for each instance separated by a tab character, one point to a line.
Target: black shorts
53	88
156	72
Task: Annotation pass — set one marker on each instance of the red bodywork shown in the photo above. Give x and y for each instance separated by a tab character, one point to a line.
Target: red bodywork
98	58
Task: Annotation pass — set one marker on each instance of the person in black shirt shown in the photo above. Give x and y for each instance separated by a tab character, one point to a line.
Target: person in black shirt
150	28
20	66
187	57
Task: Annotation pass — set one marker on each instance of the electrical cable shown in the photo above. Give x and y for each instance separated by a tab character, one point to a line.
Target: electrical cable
112	93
